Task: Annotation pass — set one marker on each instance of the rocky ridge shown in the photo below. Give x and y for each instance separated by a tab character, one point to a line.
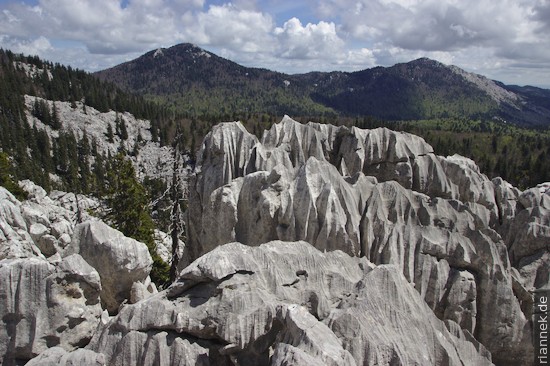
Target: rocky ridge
465	242
280	303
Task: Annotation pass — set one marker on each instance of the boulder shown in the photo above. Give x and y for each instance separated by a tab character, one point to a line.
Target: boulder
119	260
527	237
57	356
42	225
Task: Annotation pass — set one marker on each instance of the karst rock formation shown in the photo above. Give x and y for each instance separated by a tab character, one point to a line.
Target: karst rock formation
316	245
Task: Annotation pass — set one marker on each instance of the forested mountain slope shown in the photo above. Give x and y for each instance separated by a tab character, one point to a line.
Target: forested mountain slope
198	82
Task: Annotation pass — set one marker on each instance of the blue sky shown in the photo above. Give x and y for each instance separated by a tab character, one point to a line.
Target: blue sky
506	40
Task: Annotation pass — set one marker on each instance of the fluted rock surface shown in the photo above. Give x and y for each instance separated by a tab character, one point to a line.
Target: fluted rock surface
465	242
284	303
119	260
42	225
527	236
313	161
57	356
50	296
42	306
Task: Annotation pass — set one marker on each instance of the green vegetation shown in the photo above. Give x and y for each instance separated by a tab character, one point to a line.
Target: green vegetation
520	156
6	178
129	211
197	84
67	162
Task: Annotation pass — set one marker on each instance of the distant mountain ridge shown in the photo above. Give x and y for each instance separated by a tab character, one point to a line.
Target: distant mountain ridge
199	82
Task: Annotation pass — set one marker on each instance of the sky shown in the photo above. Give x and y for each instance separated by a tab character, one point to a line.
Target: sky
505	40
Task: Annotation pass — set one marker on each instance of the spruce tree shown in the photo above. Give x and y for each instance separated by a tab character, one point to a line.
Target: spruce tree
7	177
129	211
110	135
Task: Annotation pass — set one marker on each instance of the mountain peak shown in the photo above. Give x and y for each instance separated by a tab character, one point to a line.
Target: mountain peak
425	61
200	82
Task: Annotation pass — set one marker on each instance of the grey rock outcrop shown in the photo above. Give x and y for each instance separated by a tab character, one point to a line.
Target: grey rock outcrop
314	245
57	356
527	236
44	306
465	242
303	160
284	303
42	225
15	238
49	295
119	260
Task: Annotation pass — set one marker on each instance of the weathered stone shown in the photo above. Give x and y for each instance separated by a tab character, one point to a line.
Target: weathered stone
43	306
48	245
15	240
405	228
57	356
40	226
461	300
119	260
287	302
384	195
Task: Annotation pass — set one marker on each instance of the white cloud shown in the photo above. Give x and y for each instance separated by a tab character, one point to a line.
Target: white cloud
230	27
103	26
36	46
312	41
508	37
439	25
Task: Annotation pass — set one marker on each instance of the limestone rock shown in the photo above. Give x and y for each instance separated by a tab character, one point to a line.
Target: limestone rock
42	225
73	300
461	300
309	172
417	233
57	356
284	303
164	246
384	195
527	236
43	306
119	260
15	239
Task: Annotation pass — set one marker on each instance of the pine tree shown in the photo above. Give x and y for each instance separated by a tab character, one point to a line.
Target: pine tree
123	132
129	211
83	147
7	178
110	135
55	122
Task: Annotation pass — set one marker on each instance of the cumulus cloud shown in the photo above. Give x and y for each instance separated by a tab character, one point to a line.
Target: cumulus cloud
36	46
435	25
466	32
308	42
481	35
230	27
103	26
